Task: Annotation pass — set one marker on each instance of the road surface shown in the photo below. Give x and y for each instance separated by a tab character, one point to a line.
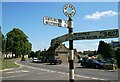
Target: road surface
44	71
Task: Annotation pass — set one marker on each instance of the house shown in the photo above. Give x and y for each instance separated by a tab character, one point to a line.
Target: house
60	51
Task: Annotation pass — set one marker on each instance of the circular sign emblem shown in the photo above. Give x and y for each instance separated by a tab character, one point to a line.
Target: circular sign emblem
70	13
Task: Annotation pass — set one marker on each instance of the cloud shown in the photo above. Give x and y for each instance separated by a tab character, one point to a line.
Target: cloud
98	15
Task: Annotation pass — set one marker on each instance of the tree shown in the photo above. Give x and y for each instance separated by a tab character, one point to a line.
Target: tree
38	54
44	55
117	54
32	54
105	50
18	43
2	41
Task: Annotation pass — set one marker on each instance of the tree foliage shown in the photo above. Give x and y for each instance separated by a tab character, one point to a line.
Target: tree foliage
105	50
42	55
17	42
117	53
2	41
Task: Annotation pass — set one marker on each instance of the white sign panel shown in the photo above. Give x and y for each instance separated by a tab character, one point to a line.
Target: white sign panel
96	34
55	22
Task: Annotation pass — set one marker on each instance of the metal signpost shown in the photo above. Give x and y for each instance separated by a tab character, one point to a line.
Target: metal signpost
70	27
103	34
55	22
61	39
113	33
66	24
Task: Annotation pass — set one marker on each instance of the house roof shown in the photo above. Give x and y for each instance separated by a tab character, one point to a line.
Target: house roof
52	48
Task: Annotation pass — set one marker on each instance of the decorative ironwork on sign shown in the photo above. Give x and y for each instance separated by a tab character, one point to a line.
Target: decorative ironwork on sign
65	10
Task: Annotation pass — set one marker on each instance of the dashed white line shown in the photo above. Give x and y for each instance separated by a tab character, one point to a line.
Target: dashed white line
24	71
63	73
101	79
67	74
95	78
48	70
14	76
41	73
59	72
86	77
53	71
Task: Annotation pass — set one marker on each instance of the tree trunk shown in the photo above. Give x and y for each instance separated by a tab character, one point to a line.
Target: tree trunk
23	58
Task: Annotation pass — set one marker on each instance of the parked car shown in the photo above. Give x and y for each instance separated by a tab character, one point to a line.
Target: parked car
92	63
55	61
111	61
36	60
101	61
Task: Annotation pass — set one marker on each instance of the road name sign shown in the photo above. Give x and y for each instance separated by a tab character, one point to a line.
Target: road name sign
55	22
103	34
61	39
113	33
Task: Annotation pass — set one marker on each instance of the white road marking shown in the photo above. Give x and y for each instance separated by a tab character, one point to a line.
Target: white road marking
63	73
59	72
14	76
18	71
48	70
95	78
102	79
42	73
53	71
67	73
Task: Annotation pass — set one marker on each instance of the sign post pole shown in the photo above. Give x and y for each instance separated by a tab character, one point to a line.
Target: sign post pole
71	53
70	27
67	24
75	36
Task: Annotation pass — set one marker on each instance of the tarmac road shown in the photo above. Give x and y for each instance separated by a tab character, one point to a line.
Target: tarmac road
43	71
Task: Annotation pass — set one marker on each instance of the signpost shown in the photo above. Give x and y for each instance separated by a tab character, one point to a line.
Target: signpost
103	34
61	39
66	24
55	22
113	33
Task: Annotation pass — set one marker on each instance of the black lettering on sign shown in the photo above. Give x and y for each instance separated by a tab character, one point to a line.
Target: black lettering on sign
112	33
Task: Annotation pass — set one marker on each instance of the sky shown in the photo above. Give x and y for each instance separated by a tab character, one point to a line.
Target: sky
89	16
60	0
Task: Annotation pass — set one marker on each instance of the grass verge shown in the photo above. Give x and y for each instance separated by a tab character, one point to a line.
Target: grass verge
8	63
